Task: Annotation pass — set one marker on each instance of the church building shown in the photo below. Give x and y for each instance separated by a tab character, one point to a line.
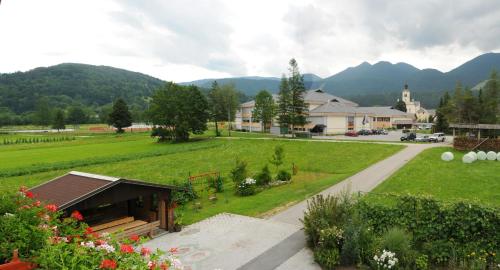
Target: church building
413	107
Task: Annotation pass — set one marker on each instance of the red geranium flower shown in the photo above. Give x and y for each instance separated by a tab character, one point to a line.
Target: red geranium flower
76	215
126	248
164	266
107	264
37	203
89	230
173	250
29	194
134	238
51	207
145	251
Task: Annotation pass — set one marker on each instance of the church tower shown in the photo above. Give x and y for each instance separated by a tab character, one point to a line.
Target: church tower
406	95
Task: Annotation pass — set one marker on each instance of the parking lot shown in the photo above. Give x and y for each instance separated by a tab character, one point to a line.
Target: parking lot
393	136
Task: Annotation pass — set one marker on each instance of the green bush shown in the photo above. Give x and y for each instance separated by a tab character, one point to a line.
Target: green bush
360	242
323	212
283	176
218	184
328	258
398	241
246	187
264	177
185	194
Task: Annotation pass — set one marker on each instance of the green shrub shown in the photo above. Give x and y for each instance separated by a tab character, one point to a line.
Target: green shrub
328	258
218	184
185	194
398	241
421	262
246	187
239	172
283	176
264	177
360	243
323	212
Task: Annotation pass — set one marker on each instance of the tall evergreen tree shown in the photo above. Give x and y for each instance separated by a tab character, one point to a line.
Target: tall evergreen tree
491	108
480	106
457	104
298	108
441	121
265	109
284	103
120	117
400	105
469	107
58	122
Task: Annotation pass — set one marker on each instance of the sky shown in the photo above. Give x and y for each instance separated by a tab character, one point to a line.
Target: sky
184	40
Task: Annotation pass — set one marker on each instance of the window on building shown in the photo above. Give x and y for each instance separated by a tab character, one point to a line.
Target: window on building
350	122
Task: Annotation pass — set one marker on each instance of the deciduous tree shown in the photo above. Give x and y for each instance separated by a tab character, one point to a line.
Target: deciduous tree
265	109
58	122
178	110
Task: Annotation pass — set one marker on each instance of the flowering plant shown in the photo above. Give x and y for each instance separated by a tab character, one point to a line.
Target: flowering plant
40	234
246	187
387	260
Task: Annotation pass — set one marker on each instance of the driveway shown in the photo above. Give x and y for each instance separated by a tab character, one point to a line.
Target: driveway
393	136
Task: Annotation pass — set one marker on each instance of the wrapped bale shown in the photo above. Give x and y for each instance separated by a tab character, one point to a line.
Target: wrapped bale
468	158
491	155
448	156
498	156
481	155
473	154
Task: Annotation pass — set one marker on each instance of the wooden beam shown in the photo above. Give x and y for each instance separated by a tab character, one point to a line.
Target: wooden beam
162	213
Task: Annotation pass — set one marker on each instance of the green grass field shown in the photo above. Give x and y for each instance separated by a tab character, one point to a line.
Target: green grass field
137	156
427	174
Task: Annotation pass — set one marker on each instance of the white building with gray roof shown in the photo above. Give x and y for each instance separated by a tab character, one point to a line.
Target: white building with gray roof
335	114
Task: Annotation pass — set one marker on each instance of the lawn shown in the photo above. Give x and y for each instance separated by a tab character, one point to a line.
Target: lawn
426	174
321	164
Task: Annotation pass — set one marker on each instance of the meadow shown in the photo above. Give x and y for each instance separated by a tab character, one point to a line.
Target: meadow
427	174
137	156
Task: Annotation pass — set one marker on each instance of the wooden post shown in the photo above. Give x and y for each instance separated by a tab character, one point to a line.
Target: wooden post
170	219
162	213
479	134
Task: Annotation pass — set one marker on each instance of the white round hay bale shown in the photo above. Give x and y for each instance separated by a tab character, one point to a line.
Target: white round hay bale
473	154
498	156
448	156
467	158
491	155
481	155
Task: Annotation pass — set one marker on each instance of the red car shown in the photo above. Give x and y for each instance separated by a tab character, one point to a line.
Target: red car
351	133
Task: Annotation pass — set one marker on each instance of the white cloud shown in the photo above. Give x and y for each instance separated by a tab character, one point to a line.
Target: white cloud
184	40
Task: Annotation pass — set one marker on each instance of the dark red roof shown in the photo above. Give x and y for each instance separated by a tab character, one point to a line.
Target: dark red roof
66	188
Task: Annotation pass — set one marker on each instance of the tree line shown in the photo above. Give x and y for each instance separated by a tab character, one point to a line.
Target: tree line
470	107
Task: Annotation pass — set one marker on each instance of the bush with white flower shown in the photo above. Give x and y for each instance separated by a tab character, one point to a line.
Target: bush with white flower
387	260
246	187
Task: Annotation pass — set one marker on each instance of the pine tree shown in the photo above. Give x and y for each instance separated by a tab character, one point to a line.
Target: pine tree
441	121
400	105
264	110
458	103
298	108
58	122
216	113
120	117
284	104
469	107
491	102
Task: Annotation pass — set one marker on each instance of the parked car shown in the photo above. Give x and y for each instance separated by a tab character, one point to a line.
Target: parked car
425	138
409	136
437	137
365	132
380	132
318	128
351	133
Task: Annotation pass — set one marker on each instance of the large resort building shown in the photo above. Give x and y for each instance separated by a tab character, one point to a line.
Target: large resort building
334	114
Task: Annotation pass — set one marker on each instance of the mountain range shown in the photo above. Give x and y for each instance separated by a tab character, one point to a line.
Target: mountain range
370	84
95	86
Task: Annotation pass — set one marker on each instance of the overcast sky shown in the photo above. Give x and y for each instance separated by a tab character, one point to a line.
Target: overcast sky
183	40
